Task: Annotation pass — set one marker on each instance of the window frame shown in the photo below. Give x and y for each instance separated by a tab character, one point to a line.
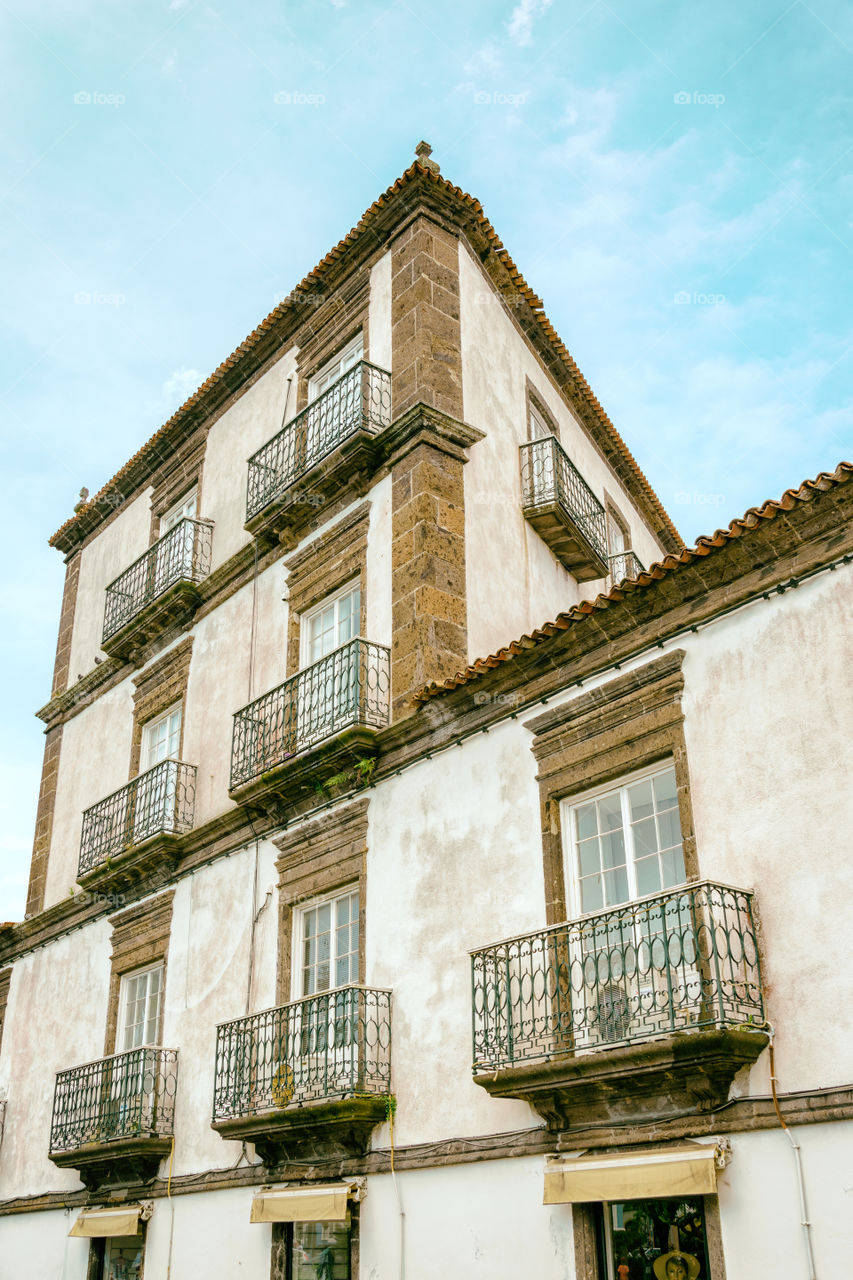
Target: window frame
177	512
148	725
568	807
333	598
339	364
282	1243
349	890
121	1020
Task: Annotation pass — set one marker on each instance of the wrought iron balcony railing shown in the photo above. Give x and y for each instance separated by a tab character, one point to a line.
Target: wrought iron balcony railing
323	1047
624	565
350	686
549	477
684	959
160	801
181	555
360	399
129	1095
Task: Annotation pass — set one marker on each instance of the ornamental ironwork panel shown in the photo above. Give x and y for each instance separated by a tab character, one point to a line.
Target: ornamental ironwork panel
325	1046
359	400
548	476
160	801
350	686
128	1095
181	555
624	565
680	960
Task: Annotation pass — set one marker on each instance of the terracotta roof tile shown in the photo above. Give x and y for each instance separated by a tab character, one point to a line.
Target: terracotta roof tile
705	546
89	515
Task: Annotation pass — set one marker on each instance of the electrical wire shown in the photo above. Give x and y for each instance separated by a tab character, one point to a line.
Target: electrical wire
795	1147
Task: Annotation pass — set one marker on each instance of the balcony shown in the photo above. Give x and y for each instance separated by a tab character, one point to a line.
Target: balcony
159	589
621	566
301	466
645	1010
139	826
311	1078
113	1119
563	510
321	720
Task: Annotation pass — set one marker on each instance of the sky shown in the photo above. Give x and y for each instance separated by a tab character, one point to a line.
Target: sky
675	181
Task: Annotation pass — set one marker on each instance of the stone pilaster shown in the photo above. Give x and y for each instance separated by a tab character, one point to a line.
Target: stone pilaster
426	349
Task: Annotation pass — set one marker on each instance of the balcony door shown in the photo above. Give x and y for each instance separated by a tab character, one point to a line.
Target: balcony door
624	845
130	1103
336	414
542	477
328	692
173	558
155	802
326	1021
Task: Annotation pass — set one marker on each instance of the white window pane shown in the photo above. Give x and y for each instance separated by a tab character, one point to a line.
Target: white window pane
640	800
616	886
592	893
669	829
610	812
586	816
648	876
612	850
672	867
645	837
590	857
666	792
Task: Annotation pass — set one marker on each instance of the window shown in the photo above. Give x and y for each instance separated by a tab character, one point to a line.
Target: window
183	510
311	1251
624	842
618	536
161	738
330	624
654	1240
352	353
122	1258
328	945
538	426
140	1011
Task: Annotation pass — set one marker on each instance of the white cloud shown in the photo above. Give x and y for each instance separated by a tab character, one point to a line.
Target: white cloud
180	385
520	25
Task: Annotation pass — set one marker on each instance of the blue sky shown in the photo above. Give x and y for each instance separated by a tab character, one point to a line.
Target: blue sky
674	180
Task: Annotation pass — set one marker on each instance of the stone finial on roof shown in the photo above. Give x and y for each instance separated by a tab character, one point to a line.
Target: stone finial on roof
423	151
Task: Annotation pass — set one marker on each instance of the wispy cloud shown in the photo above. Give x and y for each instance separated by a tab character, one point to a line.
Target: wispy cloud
520	25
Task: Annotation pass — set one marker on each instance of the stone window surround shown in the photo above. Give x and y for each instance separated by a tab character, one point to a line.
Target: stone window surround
175	479
324	855
140	937
586	1226
160	686
5	983
533	399
334	324
337	557
629	723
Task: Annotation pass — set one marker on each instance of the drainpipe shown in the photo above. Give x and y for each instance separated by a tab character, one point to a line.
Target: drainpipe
795	1147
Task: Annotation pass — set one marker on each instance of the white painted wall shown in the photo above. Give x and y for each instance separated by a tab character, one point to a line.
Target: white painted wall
378	586
379	313
482	1220
253	419
94	761
496	360
56	1018
108	555
36	1246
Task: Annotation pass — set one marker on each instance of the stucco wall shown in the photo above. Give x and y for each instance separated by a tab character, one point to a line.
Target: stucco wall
94	762
247	424
496	361
121	542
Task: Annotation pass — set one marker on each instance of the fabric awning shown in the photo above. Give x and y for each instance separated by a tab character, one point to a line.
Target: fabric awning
303	1204
107	1222
679	1171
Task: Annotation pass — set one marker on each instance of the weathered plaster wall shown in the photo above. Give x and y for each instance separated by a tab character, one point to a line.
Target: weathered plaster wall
379	564
121	542
496	362
94	762
247	424
55	1019
454	862
478	1220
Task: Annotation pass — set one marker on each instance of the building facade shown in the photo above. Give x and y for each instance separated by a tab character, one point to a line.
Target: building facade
349	952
